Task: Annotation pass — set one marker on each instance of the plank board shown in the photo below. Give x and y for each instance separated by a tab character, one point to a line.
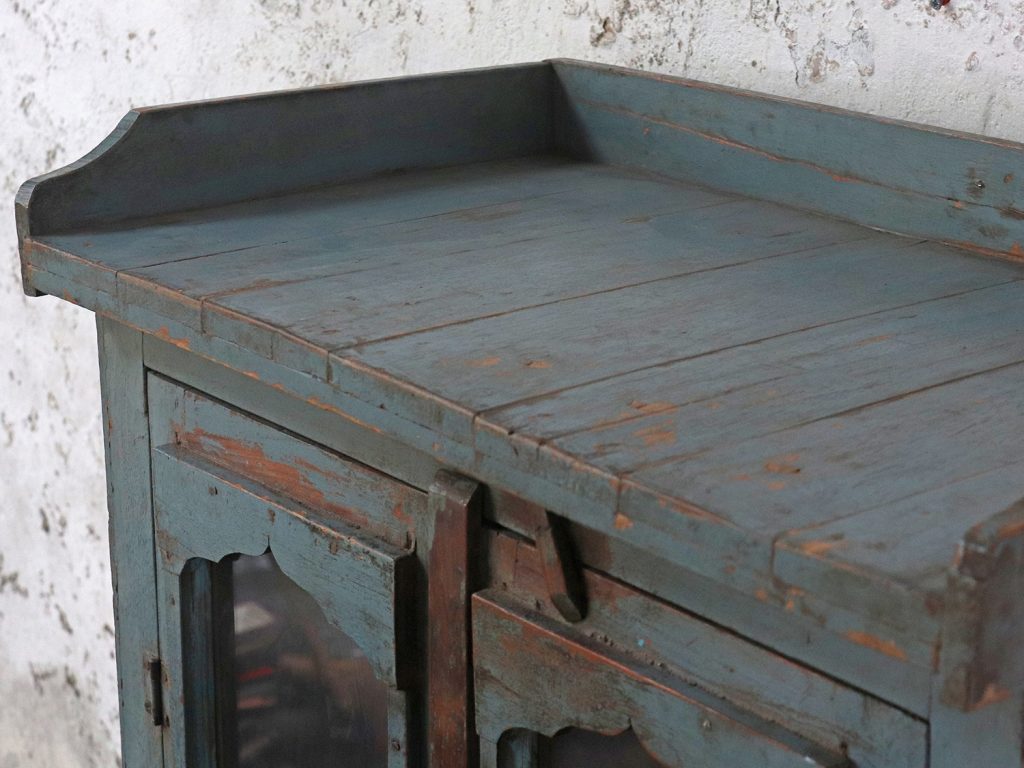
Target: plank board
913	541
688	407
538	350
568	247
213	153
403	218
856	460
302	219
934	183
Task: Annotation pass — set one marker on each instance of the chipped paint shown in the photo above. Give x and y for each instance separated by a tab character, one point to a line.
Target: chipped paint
163	333
887	647
874	340
781	468
294	477
485	362
316	401
72	69
657	434
651	407
1011	530
819	548
993	694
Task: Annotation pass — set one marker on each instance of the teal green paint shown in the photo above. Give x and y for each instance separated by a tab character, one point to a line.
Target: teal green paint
527	276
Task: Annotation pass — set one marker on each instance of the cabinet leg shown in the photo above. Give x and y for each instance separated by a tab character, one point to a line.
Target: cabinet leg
126	438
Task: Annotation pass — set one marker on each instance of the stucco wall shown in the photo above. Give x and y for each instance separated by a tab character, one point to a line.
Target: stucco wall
69	69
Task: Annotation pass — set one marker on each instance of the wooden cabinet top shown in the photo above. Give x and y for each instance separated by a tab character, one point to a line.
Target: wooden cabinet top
672	312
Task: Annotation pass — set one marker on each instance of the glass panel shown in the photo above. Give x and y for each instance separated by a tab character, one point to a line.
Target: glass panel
305	695
576	747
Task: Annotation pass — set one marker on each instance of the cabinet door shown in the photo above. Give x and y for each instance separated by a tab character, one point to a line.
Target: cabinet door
282	573
638	682
597	690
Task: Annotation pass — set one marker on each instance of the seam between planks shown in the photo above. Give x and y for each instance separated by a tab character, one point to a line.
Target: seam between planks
799	425
135	271
748	640
807	422
779	538
425	260
678	276
836	176
488	412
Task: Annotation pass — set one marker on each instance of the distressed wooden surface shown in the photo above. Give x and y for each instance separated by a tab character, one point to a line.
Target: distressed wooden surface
889	175
329	485
132	554
453	574
974	710
359	580
628	621
801	412
588	685
462	117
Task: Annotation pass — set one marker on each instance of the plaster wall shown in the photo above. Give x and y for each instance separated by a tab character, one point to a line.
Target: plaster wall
70	68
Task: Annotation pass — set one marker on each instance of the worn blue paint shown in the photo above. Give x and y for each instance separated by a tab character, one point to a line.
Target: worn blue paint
679	724
584	288
133	568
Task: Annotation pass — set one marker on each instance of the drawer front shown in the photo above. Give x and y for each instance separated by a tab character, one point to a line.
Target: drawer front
694	694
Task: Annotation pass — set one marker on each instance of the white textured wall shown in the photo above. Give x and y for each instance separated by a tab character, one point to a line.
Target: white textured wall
70	68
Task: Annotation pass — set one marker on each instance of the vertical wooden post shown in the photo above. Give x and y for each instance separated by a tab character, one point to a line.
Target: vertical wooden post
976	709
199	676
452	568
126	438
515	749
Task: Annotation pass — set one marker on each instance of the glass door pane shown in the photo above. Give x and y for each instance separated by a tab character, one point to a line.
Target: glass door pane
304	694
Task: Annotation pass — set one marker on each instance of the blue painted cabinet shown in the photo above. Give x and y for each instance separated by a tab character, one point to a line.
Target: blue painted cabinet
554	415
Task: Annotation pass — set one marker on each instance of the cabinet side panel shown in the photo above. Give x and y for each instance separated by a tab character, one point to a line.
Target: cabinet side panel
126	438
